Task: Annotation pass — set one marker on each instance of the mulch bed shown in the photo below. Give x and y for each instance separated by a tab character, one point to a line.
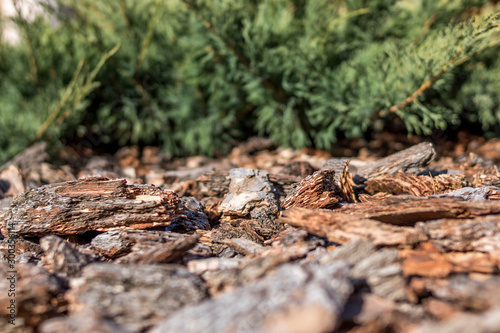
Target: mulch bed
265	239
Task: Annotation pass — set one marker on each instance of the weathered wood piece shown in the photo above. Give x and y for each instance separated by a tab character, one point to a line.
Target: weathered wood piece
38	294
250	270
62	258
251	193
91	204
134	296
475	194
402	183
407	210
428	261
296	298
322	189
342	228
408	160
478	234
154	253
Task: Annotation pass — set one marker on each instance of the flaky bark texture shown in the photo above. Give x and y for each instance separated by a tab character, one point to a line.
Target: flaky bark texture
403	183
90	204
407	160
407	210
323	188
341	228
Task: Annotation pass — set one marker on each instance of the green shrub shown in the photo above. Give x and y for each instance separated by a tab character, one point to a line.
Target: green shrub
197	76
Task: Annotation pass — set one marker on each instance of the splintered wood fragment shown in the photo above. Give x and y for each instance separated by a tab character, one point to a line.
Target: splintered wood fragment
342	177
322	189
407	160
428	261
478	234
159	253
402	183
342	228
407	210
90	204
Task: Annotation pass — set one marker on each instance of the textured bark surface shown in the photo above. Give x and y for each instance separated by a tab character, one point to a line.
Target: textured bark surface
395	252
407	210
341	228
293	299
136	296
323	188
408	160
402	183
90	204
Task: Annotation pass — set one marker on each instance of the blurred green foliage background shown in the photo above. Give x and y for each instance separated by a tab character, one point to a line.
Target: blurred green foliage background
197	76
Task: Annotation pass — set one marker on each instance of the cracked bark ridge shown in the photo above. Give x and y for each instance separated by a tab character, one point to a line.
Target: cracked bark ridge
478	234
408	160
322	189
251	193
91	204
295	298
407	210
134	296
402	183
342	228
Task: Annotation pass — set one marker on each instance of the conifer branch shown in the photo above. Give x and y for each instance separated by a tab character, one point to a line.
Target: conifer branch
275	90
32	58
72	87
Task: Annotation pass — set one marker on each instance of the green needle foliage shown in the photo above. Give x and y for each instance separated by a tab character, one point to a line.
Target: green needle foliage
196	76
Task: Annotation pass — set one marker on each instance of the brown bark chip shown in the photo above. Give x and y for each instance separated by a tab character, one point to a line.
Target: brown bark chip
90	204
134	296
295	299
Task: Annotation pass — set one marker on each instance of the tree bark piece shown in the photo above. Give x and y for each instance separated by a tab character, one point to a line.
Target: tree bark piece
295	298
402	183
342	228
38	294
134	296
407	210
428	261
91	204
251	194
62	258
478	234
154	253
323	188
408	160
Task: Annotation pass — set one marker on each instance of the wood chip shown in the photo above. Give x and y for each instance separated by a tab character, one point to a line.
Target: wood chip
478	234
62	258
408	160
134	296
402	183
322	189
342	228
90	204
295	298
407	210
